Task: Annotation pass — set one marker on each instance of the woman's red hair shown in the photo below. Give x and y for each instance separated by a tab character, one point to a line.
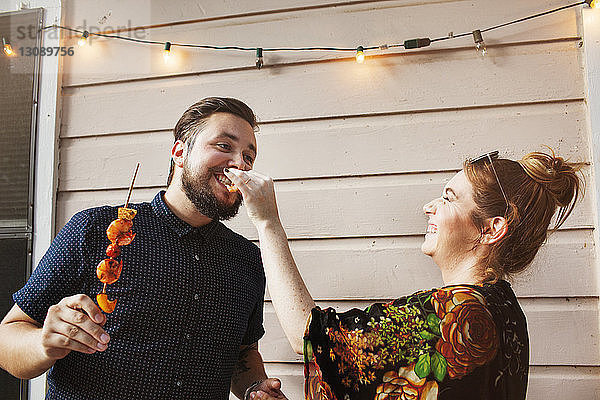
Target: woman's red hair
537	186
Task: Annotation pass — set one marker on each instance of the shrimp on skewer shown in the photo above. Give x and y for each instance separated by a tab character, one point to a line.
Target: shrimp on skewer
119	233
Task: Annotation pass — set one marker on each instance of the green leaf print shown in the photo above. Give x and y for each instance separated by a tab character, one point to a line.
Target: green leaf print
439	365
426	335
423	367
434	324
308	350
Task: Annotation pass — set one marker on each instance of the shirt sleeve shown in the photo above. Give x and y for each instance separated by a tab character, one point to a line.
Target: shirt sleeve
255	329
420	340
60	271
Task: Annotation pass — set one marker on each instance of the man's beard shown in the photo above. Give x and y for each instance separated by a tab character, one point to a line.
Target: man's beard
198	191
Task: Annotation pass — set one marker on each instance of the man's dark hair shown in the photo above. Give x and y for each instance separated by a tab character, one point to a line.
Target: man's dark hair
193	119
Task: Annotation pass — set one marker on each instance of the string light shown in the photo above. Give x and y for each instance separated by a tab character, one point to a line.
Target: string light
8	50
479	43
360	54
259	58
360	50
167	52
83	39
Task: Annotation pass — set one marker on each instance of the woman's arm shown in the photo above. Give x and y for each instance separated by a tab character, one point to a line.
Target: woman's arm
290	297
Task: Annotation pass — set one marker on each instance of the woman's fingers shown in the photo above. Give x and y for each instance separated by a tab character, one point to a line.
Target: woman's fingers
237	177
258	192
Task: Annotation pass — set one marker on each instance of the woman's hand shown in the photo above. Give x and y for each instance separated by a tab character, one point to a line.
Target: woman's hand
258	193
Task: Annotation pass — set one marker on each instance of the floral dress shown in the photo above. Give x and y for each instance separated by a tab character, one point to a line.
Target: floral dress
457	342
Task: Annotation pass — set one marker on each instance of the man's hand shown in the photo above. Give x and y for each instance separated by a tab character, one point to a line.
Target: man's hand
74	324
268	389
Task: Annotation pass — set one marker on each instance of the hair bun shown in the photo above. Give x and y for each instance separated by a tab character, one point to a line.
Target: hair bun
558	176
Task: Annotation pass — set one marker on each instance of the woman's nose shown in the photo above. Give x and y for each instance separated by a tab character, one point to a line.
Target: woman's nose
430	207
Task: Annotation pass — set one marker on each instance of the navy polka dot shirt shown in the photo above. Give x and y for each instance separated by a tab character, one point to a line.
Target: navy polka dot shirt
187	299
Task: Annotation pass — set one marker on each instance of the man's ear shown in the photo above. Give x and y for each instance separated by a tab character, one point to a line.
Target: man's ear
494	230
178	153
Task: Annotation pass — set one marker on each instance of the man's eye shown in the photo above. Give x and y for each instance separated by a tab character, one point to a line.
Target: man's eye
249	160
225	146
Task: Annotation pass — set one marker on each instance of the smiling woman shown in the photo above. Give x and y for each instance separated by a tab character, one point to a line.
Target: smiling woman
467	340
450	231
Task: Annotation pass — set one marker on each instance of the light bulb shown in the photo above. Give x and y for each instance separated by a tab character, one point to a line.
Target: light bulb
259	58
479	43
360	55
167	52
83	39
7	48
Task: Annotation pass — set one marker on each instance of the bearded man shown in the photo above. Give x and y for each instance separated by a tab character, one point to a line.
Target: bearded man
190	297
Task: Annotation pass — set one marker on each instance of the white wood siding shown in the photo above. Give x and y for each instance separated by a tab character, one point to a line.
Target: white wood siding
355	149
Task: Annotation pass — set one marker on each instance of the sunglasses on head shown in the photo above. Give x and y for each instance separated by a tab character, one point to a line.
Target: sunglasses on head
490	157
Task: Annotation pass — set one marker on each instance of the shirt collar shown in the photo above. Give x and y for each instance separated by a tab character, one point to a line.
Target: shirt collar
180	227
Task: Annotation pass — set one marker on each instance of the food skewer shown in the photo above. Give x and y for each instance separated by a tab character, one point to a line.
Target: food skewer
137	167
119	233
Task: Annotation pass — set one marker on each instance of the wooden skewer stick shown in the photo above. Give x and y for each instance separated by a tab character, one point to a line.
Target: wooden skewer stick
131	186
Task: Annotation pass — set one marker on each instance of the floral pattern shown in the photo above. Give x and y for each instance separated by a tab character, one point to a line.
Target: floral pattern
442	343
406	385
469	337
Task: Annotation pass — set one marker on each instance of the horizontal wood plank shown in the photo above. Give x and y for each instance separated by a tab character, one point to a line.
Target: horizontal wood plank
119	13
383	85
349	25
385	268
329	208
549	321
395	265
421	142
555	382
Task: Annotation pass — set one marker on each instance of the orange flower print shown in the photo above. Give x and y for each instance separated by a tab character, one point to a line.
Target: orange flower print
406	385
445	299
468	331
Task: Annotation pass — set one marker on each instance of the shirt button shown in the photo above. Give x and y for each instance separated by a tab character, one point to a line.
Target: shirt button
196	296
197	257
179	383
188	336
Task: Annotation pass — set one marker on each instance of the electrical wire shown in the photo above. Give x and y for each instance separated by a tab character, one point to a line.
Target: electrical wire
511	22
316	48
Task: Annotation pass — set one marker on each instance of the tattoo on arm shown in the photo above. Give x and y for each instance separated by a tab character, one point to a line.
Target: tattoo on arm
241	367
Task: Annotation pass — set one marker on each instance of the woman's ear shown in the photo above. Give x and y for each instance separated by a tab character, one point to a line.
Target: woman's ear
178	152
494	230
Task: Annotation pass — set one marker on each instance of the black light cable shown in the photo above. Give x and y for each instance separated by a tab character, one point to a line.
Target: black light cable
360	50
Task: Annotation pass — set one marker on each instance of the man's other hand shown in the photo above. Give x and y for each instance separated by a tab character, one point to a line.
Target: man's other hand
268	389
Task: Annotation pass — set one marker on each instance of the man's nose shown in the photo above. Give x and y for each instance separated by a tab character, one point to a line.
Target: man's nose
237	161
